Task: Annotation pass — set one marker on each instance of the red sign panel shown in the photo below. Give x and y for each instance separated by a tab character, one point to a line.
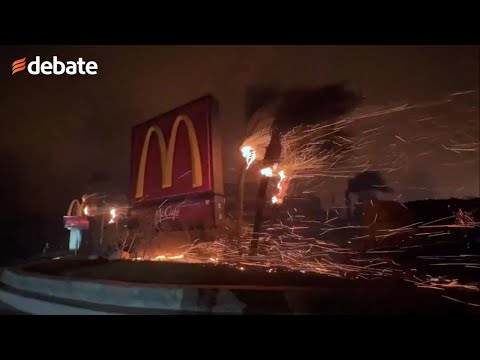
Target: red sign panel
178	215
173	154
76	222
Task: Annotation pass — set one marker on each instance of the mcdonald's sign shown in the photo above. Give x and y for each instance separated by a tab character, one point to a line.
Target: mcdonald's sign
75	218
177	153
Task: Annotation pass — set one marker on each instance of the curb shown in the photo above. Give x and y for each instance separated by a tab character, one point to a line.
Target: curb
33	306
119	294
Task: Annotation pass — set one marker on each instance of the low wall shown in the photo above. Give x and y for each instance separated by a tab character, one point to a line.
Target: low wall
127	295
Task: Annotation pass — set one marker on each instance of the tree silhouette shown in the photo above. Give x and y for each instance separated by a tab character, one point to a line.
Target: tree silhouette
287	110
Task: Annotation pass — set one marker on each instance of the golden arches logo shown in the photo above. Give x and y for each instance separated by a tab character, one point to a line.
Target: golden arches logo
19	65
166	155
75	208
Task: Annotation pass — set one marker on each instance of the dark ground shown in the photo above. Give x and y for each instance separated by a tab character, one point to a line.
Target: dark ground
320	294
7	310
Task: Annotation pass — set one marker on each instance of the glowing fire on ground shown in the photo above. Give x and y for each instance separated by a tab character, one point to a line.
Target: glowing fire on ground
165	257
160	258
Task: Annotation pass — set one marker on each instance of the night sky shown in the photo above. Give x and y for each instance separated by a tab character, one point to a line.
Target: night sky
61	133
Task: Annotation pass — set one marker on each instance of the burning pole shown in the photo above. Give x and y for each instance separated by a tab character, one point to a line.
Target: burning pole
264	146
272	122
249	154
272	157
241	195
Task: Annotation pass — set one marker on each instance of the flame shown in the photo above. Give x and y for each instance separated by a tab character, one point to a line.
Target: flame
282	188
113	215
159	258
267	172
282	177
164	257
281	185
86	211
249	154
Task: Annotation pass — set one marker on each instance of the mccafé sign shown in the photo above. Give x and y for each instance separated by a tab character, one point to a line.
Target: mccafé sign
173	154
